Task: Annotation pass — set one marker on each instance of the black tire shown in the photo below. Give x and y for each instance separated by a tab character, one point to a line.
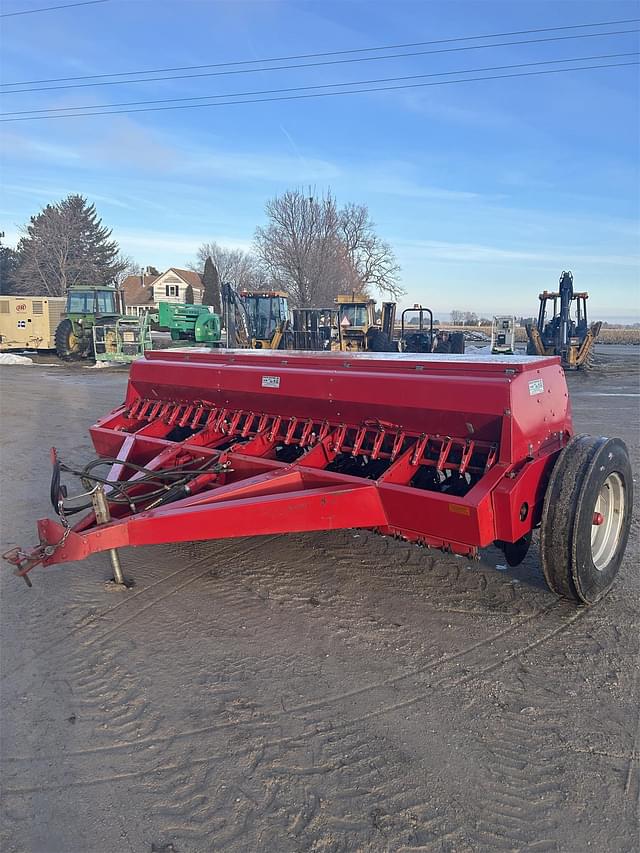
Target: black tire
379	342
68	346
457	342
588	471
515	552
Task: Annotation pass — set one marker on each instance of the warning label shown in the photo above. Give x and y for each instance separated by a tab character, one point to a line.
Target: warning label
536	386
270	381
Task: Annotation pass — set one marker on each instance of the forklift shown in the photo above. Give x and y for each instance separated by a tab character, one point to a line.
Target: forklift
570	337
358	329
314	329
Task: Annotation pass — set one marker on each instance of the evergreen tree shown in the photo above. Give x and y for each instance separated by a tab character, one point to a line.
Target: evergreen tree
211	282
8	264
188	295
65	244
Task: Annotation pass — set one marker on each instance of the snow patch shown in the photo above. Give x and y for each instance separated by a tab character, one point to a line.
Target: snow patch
10	358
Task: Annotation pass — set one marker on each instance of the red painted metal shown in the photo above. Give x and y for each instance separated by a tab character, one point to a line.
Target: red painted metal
448	451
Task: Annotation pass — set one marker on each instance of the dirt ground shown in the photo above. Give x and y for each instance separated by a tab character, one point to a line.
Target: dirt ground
322	692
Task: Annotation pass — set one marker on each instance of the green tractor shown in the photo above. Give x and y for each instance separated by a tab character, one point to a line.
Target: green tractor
86	307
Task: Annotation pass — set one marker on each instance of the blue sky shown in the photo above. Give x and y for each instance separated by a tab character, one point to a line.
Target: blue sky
486	190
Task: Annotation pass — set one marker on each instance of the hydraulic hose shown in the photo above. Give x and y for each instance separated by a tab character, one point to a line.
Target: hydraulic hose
170	483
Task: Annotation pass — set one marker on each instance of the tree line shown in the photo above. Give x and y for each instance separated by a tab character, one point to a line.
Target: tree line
310	247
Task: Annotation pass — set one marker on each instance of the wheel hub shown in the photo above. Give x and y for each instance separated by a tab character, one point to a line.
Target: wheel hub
608	516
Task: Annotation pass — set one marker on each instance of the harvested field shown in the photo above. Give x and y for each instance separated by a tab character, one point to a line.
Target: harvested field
623	336
317	692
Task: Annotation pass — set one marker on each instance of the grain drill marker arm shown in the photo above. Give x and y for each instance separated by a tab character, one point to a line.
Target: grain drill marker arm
451	452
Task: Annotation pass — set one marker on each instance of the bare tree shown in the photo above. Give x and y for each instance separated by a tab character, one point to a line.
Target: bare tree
299	247
314	250
65	244
236	266
371	258
457	317
128	267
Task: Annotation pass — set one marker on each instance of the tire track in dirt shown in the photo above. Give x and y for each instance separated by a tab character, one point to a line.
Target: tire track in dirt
282	590
107	698
207	803
632	779
235	600
189	810
423	572
110	696
345	758
539	764
35	624
333	791
521	789
273	584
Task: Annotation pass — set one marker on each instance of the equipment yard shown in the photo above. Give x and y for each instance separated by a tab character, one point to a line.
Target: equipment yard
325	692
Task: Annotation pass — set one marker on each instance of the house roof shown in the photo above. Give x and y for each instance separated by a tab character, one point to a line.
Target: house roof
138	293
191	277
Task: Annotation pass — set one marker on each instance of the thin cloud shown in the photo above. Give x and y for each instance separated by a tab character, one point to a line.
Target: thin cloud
478	253
49	195
140	241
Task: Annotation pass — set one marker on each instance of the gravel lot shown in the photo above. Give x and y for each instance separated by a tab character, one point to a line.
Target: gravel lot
320	692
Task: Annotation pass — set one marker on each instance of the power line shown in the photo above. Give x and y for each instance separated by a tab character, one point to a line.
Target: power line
52	110
329	94
323	63
319	55
51	8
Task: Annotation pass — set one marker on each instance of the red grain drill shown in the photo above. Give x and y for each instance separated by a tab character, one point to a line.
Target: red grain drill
451	452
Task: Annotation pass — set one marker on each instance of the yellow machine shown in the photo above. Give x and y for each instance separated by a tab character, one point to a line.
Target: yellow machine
267	313
257	319
30	322
358	329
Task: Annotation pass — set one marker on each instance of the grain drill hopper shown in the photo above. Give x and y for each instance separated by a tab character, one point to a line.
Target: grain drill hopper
450	452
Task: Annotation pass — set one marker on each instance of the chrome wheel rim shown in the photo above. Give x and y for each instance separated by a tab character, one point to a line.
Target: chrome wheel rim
608	515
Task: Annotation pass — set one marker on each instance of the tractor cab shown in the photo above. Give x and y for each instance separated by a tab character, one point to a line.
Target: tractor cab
357	326
267	316
356	316
83	302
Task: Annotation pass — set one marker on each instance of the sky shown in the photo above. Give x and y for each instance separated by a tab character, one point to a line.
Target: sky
486	190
